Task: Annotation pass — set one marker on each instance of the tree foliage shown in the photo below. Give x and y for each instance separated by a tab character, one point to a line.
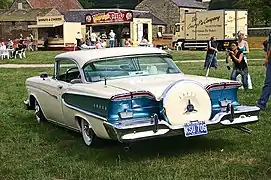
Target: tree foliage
87	3
258	10
5	4
221	4
128	4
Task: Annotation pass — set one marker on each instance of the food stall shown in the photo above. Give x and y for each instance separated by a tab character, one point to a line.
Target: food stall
60	34
122	22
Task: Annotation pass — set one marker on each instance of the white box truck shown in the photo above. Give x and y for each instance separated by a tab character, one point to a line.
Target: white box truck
198	27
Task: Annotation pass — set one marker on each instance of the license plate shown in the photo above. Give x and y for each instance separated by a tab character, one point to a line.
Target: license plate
195	129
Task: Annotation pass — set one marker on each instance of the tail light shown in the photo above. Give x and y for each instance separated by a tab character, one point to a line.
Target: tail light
136	104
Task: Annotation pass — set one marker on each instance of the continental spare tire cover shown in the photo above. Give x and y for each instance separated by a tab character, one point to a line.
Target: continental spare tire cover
186	101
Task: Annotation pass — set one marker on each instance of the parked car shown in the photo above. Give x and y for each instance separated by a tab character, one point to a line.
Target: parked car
133	93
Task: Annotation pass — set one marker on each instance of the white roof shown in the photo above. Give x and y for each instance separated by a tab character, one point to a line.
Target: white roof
84	56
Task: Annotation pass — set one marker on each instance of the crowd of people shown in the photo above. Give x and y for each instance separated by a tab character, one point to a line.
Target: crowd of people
18	45
237	54
97	40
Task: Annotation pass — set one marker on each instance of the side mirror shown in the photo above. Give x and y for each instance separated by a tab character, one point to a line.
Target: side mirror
43	75
76	81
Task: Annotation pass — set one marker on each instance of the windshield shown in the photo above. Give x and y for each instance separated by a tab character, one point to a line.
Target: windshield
128	67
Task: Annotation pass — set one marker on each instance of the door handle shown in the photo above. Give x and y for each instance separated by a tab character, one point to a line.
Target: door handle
60	86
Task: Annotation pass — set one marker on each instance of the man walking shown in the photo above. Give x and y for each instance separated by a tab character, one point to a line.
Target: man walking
267	83
211	56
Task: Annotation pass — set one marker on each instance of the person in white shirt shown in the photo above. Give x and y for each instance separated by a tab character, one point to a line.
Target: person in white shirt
3	46
10	44
93	38
79	38
112	36
143	41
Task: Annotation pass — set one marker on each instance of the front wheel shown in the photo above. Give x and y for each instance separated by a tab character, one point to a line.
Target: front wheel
88	134
38	113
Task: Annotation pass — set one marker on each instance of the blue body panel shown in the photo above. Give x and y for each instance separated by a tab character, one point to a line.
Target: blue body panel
142	107
222	94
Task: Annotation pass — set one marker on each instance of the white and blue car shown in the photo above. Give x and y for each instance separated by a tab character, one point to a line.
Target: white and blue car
133	93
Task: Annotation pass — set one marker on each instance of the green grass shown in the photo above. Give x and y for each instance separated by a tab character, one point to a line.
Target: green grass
47	57
29	150
36	57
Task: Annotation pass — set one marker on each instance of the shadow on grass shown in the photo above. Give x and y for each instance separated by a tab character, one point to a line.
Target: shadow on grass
70	143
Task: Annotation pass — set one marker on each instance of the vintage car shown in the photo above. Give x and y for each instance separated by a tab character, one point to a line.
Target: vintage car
133	93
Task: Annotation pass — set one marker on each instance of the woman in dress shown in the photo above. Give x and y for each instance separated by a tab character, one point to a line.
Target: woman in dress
243	46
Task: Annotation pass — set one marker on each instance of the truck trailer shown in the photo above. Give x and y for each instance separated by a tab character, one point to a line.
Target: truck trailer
198	27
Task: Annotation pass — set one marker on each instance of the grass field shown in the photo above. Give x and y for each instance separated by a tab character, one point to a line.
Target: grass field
29	150
43	57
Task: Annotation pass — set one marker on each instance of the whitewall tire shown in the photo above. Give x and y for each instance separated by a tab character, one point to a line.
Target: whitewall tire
88	134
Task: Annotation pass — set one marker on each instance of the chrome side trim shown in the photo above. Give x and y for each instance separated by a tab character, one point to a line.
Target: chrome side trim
35	87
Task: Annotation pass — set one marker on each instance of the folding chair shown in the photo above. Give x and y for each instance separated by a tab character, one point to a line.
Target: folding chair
4	53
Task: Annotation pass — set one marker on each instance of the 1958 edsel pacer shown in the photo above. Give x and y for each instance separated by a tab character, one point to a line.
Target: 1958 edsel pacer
133	93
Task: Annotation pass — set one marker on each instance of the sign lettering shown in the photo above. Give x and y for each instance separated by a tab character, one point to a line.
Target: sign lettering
108	17
52	19
201	22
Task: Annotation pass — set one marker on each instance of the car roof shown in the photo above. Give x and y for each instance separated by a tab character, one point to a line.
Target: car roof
83	56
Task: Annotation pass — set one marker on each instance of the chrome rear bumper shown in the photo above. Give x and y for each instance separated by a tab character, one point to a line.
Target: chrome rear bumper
140	129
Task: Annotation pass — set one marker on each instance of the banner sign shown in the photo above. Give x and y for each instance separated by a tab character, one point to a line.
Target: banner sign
50	19
109	17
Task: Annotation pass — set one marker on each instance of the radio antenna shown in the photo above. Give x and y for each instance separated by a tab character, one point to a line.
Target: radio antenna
105	78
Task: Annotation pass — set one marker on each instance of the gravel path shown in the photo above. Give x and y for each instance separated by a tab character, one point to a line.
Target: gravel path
51	65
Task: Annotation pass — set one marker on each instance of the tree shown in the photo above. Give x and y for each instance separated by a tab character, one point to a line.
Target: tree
5	4
258	10
265	11
87	3
221	4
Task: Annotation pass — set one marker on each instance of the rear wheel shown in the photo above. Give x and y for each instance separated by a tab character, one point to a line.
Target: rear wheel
38	113
88	134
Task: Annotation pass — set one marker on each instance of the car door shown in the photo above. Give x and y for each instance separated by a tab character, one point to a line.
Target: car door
66	71
51	101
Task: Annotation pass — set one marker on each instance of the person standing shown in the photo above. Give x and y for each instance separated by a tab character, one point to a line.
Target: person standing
243	46
45	41
211	56
119	37
239	64
30	45
112	36
267	83
21	39
79	38
93	38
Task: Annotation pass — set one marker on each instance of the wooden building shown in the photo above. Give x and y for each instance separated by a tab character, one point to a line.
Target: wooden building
23	13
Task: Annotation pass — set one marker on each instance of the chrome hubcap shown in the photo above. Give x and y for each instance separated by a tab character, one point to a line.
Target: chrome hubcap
87	132
37	110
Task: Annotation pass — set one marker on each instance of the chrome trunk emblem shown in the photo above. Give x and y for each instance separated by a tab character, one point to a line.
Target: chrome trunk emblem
190	107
